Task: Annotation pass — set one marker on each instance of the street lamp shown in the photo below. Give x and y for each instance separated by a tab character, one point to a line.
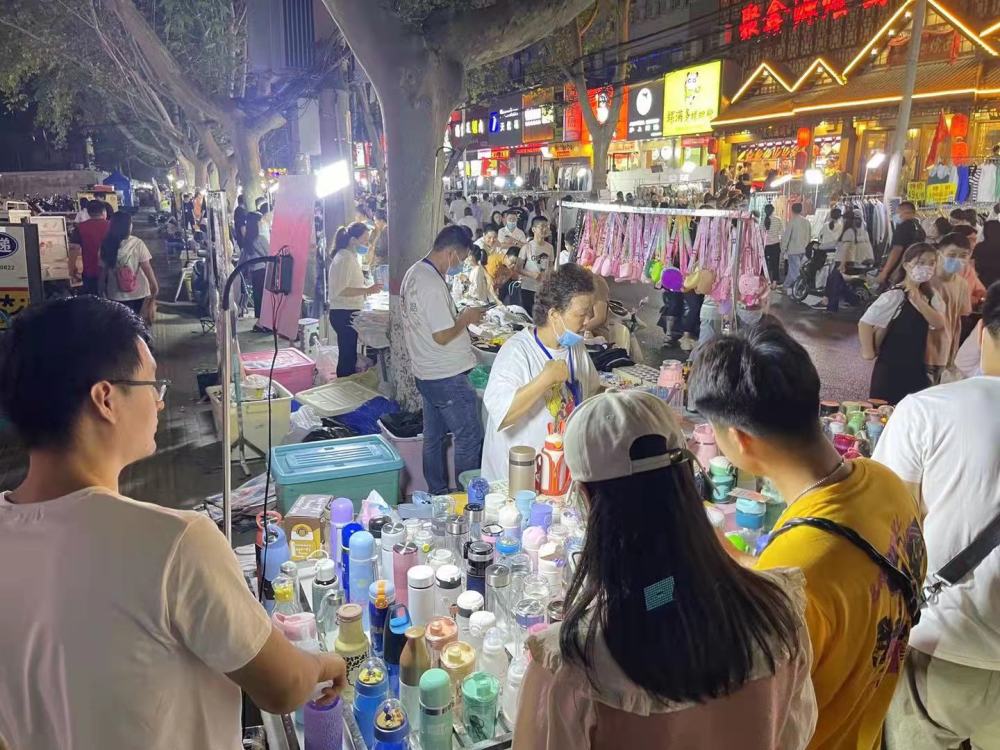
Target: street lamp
777	182
518	181
500	182
814	177
876	161
688	167
332	178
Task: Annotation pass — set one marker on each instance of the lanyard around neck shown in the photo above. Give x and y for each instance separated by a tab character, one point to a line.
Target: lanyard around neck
569	356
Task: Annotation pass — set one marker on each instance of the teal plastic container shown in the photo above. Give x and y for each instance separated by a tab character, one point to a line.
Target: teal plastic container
349	467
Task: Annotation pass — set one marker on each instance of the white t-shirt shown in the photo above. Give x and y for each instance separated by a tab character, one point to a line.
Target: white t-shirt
480	285
505	233
131	253
456	209
531	260
887	306
427	309
345	273
470	222
947	439
519	361
119	621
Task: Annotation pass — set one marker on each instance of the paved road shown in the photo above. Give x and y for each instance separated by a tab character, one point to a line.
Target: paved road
831	340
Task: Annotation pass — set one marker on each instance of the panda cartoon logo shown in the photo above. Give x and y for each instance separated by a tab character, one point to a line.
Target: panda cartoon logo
691	88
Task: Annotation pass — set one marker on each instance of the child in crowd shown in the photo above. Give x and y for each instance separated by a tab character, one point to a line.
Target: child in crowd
942	343
893	331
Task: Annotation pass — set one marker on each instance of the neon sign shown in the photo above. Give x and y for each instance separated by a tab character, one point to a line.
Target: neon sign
769	18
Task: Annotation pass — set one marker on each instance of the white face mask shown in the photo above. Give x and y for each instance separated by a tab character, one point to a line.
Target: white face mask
921	274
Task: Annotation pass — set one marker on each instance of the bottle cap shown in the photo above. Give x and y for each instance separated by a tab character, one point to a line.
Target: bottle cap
391	723
480	689
290	568
347	532
438	558
348	613
533	538
404	548
376	525
510	517
469	602
523	500
519	563
411	525
440	631
458	658
382	593
480	552
458	526
424	539
494	641
493	503
449	577
392	533
558	533
326	571
474	512
478	489
491	533
435	690
498	576
480	622
420	577
372	677
541	514
508	545
362	546
341	511
300	627
515	673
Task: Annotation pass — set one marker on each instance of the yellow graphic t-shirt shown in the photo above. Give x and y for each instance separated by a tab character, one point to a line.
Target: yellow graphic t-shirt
859	628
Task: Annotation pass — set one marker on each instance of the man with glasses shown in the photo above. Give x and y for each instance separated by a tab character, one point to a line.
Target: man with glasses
122	624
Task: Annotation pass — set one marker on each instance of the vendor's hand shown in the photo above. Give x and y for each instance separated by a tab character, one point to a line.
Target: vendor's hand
374	289
471	316
333	669
555	371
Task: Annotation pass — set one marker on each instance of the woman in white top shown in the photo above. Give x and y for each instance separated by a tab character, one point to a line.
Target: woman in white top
480	281
829	233
540	374
128	272
773	228
347	290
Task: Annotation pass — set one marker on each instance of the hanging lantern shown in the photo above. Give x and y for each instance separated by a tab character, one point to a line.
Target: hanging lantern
803	137
959	126
959	150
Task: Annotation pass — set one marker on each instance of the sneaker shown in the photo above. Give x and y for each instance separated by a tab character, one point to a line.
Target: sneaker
687	343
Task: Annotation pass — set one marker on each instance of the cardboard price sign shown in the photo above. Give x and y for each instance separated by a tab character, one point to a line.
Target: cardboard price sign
942	192
916	191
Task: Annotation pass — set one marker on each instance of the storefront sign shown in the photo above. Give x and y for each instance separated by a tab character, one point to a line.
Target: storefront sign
916	191
572	115
941	43
691	99
645	110
539	115
20	272
504	122
771	17
941	192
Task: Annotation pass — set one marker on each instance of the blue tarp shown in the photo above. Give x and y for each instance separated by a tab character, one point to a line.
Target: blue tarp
123	184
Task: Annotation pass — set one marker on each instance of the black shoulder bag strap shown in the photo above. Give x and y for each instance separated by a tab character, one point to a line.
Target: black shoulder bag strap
899	580
967	560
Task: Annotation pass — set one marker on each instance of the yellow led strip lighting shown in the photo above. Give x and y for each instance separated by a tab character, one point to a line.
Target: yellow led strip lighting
762	67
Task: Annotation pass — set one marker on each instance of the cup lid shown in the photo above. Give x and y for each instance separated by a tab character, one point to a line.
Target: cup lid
480	688
420	577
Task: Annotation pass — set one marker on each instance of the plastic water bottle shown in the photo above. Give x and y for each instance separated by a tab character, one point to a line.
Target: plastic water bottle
392	728
324	725
371	688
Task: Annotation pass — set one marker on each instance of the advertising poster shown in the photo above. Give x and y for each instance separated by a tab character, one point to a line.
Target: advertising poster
691	99
504	123
645	110
20	275
538	112
53	246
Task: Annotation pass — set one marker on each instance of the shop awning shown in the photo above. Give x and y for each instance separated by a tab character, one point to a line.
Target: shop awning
872	89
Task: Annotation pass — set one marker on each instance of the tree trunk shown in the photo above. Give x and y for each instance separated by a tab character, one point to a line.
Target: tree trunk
201	174
374	134
246	147
186	171
601	143
213	177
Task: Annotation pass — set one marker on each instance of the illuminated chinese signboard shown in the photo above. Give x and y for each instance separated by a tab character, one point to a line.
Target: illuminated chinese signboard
645	110
691	99
504	122
771	17
471	132
539	115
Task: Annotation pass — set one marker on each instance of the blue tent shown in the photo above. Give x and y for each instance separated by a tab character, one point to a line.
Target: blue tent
120	183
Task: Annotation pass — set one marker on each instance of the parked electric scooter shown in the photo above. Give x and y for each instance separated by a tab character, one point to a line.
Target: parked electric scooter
816	270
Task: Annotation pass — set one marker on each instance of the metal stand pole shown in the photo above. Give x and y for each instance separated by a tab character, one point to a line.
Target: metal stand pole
227	430
559	233
905	104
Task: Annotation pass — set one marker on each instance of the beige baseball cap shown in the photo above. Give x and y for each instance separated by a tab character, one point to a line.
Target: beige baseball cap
600	433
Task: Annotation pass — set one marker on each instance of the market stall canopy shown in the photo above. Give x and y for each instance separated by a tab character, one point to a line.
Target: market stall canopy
121	184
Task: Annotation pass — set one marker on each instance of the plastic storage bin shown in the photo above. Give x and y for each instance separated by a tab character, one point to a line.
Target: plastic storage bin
411	450
349	467
254	419
292	368
338	397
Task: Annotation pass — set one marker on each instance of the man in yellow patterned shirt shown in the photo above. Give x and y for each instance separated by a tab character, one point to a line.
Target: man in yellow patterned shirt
760	391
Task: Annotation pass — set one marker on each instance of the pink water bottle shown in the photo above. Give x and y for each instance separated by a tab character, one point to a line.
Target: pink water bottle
404	557
703	444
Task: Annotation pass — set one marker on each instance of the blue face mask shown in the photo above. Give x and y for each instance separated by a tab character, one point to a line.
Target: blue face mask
952	265
512	225
362	249
455	268
569	338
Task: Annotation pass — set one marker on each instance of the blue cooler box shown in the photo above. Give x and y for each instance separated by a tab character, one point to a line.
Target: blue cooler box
349	467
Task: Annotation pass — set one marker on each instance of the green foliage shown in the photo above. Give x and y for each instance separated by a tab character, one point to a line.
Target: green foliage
415	12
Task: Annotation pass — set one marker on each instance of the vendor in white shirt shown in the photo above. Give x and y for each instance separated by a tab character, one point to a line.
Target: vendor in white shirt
347	290
510	235
540	374
536	258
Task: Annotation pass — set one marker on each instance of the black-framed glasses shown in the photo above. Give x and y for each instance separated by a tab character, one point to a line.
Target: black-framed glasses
160	385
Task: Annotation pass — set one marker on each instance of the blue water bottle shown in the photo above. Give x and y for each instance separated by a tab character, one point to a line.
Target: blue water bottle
272	557
395	640
370	688
392	728
345	555
381	596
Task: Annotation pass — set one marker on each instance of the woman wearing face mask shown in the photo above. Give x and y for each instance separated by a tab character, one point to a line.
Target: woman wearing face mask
347	290
943	343
893	331
666	642
540	374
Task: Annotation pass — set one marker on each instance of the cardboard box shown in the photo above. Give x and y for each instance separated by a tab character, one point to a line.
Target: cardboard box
307	524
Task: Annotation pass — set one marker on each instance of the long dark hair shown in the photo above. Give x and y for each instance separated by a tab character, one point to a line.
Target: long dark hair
343	237
119	229
851	221
768	211
913	252
703	644
252	229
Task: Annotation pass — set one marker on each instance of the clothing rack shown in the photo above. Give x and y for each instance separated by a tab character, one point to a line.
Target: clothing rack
737	216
